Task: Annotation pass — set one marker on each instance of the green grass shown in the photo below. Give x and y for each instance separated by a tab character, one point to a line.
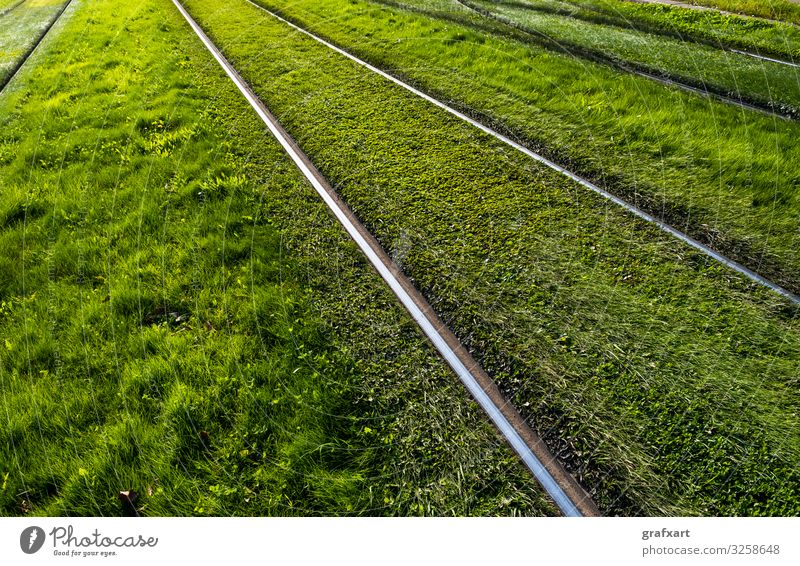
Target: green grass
714	28
180	315
725	175
6	4
667	383
740	77
775	9
20	30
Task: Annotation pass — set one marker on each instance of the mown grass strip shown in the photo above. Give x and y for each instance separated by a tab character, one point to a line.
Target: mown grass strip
723	175
734	76
645	366
181	316
703	26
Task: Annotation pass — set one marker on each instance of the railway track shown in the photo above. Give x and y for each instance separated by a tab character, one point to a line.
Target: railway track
636	211
701	8
665	33
16	68
638	70
567	494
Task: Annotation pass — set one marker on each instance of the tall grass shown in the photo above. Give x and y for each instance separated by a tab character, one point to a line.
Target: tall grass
20	30
6	4
710	27
777	9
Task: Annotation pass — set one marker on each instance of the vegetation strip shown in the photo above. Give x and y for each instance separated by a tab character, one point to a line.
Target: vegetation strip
712	28
721	175
790	114
664	381
588	12
750	274
10	8
567	494
720	92
773	11
15	69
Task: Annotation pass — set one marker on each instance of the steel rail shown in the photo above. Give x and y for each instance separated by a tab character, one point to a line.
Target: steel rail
633	209
764	58
688	6
45	31
570	498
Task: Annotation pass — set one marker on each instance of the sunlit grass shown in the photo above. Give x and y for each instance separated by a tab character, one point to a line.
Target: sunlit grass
7	4
778	9
706	26
765	83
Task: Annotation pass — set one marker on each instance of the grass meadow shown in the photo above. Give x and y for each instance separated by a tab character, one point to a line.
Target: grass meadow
181	316
785	10
740	77
779	39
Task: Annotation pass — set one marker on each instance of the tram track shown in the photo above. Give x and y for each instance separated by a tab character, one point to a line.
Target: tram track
603	19
631	208
764	58
595	56
565	491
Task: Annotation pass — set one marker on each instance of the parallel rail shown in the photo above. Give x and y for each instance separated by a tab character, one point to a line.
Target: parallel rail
568	495
633	209
649	28
635	68
764	58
